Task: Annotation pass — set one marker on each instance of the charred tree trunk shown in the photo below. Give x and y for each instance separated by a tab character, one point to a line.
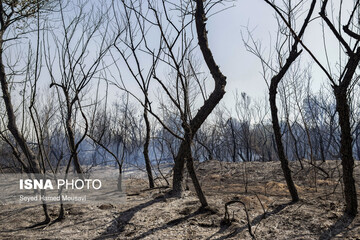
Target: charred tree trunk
146	147
72	146
276	125
119	183
233	140
343	109
197	186
178	176
347	159
186	155
280	147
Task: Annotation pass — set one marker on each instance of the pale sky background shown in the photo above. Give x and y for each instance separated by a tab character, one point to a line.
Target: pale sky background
242	68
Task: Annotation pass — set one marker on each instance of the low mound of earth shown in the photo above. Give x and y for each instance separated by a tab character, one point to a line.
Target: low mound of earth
150	214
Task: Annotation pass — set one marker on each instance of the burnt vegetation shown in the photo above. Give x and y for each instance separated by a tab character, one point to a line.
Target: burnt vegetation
135	86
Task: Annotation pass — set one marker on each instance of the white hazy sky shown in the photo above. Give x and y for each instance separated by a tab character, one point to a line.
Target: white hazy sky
241	67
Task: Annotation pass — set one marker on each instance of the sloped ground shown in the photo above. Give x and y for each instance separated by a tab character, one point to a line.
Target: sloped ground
149	214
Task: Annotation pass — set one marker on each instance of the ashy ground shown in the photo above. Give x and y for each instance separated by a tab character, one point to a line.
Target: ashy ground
150	214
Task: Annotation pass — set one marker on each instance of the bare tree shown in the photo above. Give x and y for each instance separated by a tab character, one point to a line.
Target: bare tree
67	47
71	53
175	51
342	85
11	14
342	88
285	61
131	42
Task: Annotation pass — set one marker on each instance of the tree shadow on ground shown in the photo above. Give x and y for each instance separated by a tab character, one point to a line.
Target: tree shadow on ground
254	222
119	223
174	222
5	215
41	226
12	212
339	226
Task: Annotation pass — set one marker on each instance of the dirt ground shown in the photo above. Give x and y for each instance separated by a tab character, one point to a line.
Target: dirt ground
150	214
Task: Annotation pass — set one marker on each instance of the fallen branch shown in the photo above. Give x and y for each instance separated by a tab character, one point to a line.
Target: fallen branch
228	221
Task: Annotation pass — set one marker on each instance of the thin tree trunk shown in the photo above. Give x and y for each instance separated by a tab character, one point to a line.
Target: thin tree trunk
276	125
233	140
293	54
119	183
295	144
280	148
72	145
197	186
146	148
